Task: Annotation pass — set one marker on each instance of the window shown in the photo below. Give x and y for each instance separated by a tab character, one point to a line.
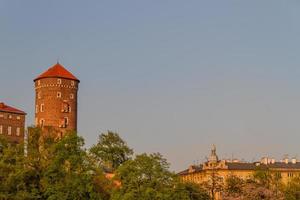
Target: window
1	129
66	121
278	175
39	82
58	95
290	174
72	83
71	96
42	122
42	107
10	116
39	95
9	130
18	117
1	115
66	108
18	131
58	81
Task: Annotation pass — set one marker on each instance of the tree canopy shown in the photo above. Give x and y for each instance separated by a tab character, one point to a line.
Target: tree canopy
111	150
64	170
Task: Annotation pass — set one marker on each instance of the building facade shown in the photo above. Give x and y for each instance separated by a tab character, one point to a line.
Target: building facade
12	123
56	102
222	169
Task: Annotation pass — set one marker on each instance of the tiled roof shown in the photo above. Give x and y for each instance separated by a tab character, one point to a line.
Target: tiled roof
249	166
240	166
282	165
57	71
195	169
6	108
184	172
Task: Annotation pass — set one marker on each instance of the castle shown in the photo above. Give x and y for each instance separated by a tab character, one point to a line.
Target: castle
56	100
56	105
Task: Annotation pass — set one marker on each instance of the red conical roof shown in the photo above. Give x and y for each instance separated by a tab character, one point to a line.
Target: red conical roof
6	108
57	71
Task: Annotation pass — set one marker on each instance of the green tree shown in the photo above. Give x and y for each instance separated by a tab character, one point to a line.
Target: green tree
111	150
214	184
234	185
292	189
147	177
263	177
50	170
69	174
190	191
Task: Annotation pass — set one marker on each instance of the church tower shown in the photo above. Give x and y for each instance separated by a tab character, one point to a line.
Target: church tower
56	100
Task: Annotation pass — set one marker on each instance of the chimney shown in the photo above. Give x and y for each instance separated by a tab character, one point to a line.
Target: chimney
273	161
286	161
294	160
264	160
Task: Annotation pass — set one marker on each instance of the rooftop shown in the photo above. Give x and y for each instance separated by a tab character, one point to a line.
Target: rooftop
6	108
57	71
246	166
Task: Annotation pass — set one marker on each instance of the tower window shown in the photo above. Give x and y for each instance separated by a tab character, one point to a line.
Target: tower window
10	116
72	83
58	95
66	108
42	107
58	81
18	131
66	121
1	129
18	117
9	130
42	122
39	82
71	96
39	95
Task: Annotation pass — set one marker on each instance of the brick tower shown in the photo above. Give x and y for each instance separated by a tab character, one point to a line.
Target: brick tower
56	100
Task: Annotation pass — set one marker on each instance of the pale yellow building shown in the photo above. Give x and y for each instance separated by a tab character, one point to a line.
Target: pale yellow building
203	173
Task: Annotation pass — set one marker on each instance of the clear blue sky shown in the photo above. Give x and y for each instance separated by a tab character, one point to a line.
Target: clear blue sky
170	76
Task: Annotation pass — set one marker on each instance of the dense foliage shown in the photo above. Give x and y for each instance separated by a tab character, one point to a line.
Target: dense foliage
64	170
111	150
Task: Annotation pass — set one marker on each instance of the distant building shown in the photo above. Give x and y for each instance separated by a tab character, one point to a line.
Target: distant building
56	100
199	174
12	123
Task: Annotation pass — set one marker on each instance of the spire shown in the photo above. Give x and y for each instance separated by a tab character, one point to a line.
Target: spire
213	155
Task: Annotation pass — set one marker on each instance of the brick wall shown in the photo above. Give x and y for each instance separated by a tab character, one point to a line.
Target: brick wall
14	121
56	104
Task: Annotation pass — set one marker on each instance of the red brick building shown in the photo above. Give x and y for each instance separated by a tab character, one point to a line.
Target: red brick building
56	100
12	123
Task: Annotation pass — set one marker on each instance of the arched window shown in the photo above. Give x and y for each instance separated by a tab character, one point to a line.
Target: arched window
66	108
42	122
